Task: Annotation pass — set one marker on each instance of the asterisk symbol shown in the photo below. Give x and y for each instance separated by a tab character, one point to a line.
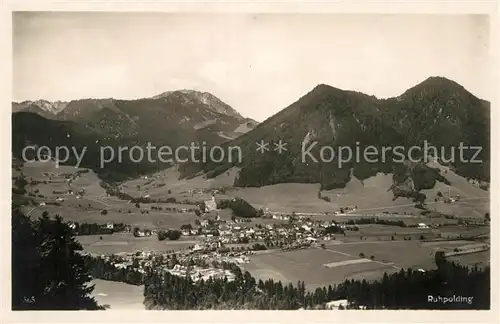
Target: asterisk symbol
280	146
262	146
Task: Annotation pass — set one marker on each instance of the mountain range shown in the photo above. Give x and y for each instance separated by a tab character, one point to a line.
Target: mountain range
437	110
172	118
185	110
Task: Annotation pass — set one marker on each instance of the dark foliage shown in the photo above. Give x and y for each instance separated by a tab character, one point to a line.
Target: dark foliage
47	271
97	229
240	207
172	235
406	289
125	123
372	220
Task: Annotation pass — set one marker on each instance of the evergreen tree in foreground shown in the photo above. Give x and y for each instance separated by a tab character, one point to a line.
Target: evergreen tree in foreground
47	271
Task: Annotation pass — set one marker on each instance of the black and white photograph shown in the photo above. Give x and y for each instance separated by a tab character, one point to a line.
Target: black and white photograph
250	161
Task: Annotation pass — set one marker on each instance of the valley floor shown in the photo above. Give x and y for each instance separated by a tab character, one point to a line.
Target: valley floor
363	254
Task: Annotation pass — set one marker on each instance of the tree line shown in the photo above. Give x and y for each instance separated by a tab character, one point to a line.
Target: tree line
374	220
98	229
406	289
106	270
240	207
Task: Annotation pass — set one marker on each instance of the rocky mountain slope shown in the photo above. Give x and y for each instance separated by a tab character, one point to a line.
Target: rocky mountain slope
182	110
174	119
43	105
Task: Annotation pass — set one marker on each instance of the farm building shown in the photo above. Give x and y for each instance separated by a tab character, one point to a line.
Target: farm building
335	304
210	205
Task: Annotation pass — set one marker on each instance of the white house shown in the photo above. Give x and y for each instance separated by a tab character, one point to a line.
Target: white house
210	205
335	304
422	226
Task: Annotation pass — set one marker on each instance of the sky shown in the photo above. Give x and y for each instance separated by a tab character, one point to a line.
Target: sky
257	63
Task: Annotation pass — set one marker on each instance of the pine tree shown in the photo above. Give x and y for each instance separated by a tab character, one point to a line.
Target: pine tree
25	260
47	248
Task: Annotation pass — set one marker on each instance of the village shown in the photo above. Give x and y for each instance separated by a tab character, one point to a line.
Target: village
199	234
234	240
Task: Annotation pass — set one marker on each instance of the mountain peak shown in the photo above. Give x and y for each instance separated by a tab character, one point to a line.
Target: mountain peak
41	104
323	87
174	92
435	85
205	98
440	81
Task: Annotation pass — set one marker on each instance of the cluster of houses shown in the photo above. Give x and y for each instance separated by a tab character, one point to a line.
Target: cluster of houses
198	254
198	273
422	226
301	230
451	200
182	263
348	209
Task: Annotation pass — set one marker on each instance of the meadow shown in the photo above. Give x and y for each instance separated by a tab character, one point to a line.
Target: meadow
338	260
386	244
308	265
479	259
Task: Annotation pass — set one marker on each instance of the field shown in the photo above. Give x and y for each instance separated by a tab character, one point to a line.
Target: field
474	201
167	183
403	254
89	206
371	195
480	259
309	266
456	231
378	232
87	214
281	197
294	197
118	295
126	242
341	260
